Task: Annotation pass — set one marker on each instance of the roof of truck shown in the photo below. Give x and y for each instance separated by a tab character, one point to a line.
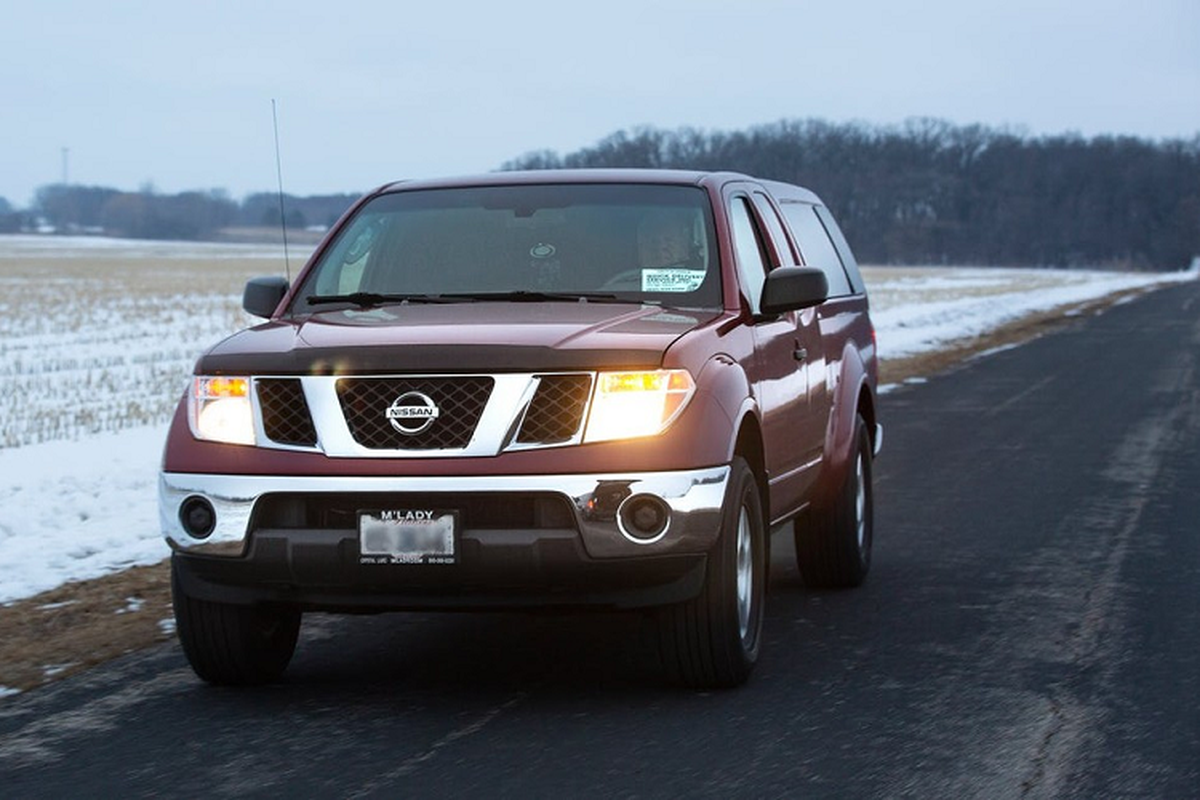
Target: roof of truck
656	176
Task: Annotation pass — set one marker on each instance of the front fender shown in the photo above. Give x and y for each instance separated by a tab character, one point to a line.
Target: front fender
849	381
726	385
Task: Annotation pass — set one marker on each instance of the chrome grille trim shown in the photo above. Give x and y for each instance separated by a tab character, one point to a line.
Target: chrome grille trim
460	401
555	414
284	412
501	426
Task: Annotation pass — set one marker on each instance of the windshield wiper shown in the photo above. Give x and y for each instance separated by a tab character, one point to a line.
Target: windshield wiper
523	296
373	299
370	299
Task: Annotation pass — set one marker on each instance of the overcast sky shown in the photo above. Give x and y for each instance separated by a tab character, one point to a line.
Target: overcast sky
179	95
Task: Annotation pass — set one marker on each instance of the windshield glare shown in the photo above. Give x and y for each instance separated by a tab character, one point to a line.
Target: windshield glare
641	243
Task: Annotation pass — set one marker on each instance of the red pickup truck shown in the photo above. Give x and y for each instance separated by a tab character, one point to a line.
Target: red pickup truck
548	389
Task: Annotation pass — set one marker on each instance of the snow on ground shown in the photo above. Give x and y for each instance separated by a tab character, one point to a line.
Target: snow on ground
33	246
919	310
85	504
71	510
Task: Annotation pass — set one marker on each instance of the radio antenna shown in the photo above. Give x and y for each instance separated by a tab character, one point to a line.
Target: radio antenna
279	174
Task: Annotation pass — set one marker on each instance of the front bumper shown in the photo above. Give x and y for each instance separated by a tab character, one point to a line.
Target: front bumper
581	554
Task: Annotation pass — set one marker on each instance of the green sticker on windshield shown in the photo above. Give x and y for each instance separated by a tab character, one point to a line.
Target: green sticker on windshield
672	280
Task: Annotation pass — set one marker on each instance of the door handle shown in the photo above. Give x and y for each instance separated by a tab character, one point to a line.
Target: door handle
800	354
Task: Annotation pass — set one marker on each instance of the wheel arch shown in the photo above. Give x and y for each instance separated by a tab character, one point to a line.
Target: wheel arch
866	409
749	445
852	396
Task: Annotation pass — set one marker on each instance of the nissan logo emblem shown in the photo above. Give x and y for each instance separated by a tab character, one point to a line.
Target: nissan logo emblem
412	413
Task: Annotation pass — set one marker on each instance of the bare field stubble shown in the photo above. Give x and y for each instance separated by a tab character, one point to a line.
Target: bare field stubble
897	286
105	343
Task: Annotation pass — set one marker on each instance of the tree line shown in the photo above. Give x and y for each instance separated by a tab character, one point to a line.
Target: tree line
148	214
930	192
925	192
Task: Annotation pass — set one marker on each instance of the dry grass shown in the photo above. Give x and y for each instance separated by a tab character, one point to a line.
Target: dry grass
81	624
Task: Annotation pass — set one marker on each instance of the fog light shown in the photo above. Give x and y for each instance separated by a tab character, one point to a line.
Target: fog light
644	518
197	517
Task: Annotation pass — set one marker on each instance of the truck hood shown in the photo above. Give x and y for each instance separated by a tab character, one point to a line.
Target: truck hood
460	337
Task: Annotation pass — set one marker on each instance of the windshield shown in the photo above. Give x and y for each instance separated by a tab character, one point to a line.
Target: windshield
599	242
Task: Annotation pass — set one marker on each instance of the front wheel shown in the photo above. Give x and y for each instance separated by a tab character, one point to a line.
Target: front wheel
234	645
712	641
833	544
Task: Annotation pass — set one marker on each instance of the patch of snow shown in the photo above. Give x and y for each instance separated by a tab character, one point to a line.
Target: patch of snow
167	625
8	692
995	350
52	606
71	510
132	605
50	670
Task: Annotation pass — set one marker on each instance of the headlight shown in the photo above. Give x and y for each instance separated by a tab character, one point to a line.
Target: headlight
630	404
220	410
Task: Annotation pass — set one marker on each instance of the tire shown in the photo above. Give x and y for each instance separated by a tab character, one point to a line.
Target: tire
232	645
833	544
712	641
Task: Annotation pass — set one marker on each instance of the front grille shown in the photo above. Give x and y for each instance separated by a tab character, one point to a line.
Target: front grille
460	403
285	414
556	410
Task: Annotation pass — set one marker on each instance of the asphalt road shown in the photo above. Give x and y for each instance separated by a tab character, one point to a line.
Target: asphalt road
1031	627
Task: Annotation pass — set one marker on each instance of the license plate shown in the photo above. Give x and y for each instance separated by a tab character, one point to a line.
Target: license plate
407	536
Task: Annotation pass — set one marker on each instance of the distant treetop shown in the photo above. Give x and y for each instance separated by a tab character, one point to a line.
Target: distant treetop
930	192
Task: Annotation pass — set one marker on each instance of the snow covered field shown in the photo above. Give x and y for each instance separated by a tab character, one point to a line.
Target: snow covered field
97	338
101	247
920	309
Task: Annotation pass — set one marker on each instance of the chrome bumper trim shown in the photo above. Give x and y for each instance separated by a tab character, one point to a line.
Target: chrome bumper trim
695	498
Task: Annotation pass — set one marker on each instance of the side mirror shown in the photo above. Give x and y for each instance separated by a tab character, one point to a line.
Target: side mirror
793	288
262	295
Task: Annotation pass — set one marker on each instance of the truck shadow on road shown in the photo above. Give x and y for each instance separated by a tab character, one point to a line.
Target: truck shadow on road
608	652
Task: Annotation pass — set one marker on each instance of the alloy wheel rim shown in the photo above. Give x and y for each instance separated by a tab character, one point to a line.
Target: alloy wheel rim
745	574
860	501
